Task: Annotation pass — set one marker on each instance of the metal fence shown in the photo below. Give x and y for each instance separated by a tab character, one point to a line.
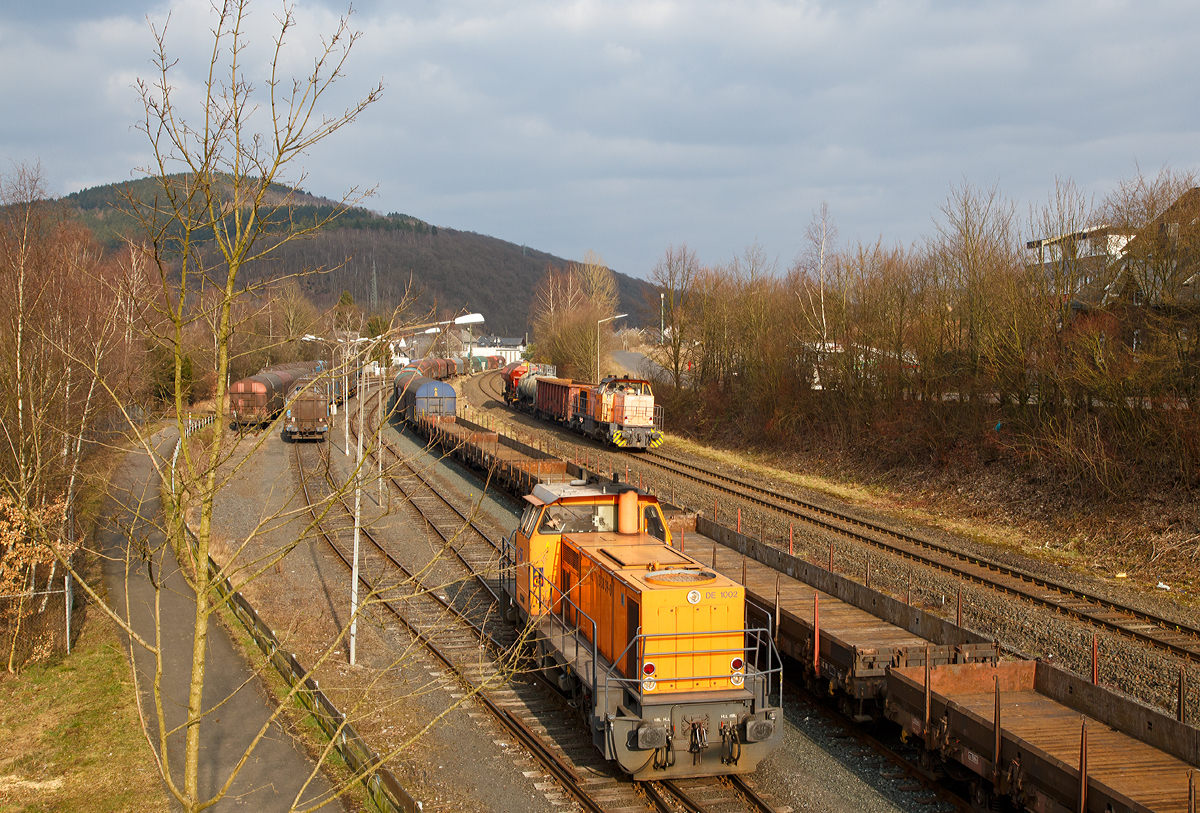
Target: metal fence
37	624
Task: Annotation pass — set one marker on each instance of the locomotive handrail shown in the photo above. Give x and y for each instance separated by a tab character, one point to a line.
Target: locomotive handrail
536	573
508	565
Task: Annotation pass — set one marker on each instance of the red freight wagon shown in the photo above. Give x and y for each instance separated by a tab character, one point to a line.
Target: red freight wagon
259	398
557	398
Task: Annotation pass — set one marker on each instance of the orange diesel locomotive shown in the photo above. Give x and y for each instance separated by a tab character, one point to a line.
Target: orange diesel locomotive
653	644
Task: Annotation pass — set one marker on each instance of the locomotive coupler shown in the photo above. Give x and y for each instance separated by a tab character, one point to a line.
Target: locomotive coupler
731	745
698	739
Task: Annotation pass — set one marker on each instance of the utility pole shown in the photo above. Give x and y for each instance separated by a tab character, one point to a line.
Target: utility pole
357	529
662	317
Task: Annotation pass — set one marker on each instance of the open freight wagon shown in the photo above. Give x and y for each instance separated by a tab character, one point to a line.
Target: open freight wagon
1132	759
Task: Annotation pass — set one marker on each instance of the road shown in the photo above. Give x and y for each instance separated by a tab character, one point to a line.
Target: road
640	365
277	768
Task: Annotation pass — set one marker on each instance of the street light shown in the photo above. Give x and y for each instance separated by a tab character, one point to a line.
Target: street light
662	315
471	318
602	321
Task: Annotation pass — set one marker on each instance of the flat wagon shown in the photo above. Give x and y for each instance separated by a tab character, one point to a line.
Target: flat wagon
1061	745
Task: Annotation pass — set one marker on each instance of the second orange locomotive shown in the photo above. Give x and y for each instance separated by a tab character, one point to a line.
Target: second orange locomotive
617	411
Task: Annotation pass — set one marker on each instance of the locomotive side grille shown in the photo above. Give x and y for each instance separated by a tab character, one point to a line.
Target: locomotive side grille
571	558
681	576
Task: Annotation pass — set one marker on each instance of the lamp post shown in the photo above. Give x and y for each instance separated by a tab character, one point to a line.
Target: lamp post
662	316
602	321
471	318
346	402
333	376
357	531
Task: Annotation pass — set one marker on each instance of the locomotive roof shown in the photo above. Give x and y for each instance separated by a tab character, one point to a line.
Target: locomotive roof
646	562
612	379
553	492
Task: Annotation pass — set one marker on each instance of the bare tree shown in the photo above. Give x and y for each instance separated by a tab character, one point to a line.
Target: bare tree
598	283
820	234
48	347
977	243
674	275
567	306
220	184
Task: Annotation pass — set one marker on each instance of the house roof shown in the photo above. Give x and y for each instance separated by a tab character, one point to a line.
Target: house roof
497	341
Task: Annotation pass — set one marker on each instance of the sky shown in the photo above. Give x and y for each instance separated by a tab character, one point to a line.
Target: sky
627	127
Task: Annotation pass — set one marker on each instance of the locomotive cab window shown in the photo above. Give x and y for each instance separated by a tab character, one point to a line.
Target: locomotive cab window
557	519
528	520
654	523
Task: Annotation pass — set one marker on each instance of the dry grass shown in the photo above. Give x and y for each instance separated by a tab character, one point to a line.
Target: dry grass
1151	537
70	737
877	498
760	465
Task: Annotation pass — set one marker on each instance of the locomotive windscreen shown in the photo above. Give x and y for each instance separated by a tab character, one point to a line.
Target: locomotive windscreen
578	519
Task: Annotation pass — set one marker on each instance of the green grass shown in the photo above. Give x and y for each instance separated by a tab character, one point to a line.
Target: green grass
70	736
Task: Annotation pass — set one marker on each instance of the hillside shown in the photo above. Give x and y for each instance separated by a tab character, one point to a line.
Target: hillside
451	269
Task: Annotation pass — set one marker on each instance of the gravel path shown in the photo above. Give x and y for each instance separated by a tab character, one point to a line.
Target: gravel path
463	762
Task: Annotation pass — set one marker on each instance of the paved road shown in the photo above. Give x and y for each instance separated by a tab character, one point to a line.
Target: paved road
277	768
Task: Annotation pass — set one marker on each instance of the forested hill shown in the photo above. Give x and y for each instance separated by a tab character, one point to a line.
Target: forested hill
452	269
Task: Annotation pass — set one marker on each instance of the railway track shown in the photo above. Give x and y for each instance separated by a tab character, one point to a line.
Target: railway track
491	384
1175	638
523	712
847	729
693	795
702	795
1178	639
1082	605
452	637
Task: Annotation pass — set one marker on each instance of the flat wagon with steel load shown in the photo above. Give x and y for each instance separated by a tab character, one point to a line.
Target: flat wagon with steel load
1061	744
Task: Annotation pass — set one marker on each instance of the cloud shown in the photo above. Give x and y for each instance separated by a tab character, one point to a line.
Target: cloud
625	126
